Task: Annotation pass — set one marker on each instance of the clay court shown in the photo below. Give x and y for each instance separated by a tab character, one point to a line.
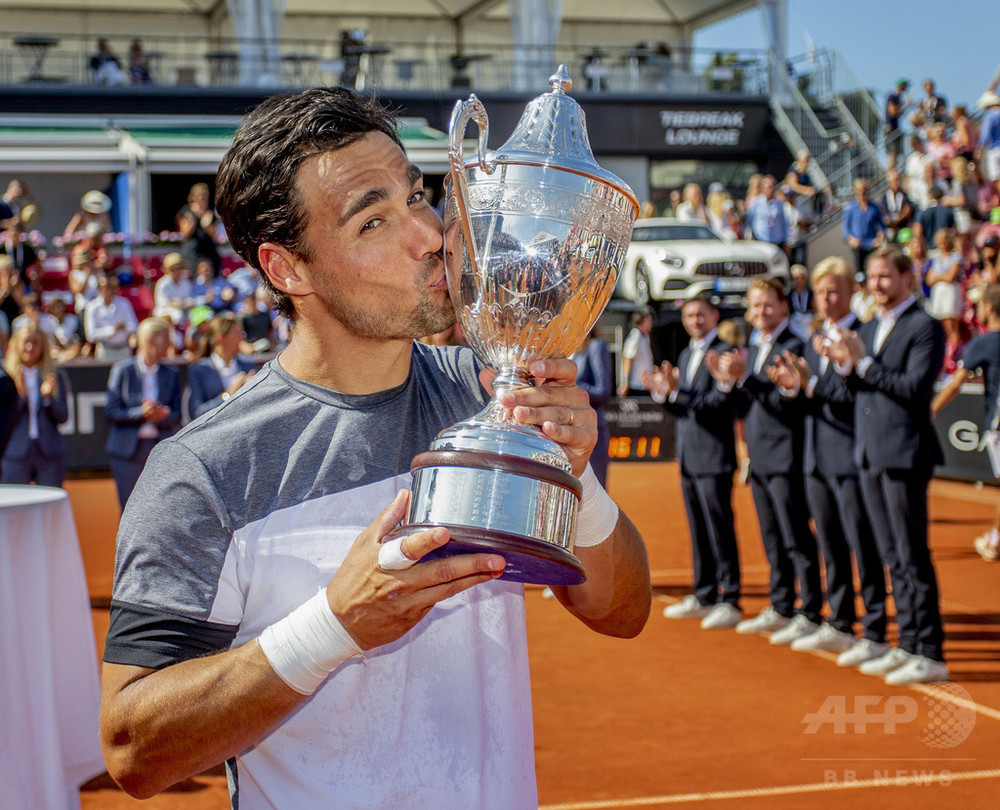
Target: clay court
682	717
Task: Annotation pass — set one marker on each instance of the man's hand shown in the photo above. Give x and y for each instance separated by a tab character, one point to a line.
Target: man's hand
377	607
731	366
783	374
662	381
557	406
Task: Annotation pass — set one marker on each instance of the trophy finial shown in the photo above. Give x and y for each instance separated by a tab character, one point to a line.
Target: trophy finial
560	82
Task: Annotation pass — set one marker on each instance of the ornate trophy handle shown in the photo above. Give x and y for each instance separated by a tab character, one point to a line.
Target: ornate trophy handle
465	111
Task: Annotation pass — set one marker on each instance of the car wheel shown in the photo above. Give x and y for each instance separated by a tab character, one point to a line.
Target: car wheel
640	297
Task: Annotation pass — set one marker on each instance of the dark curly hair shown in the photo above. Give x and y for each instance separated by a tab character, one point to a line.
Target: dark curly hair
256	191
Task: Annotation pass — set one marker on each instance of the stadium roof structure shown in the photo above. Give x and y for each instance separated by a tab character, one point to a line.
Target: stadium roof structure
687	15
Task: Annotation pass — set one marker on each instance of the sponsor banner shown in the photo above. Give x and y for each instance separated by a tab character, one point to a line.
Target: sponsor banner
959	430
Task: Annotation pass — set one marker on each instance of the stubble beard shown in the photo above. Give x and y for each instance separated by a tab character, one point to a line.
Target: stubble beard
425	317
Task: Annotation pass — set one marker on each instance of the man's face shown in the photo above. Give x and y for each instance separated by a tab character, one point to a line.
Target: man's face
888	286
765	311
861	191
699	319
929	88
108	289
375	242
832	295
767	187
800	281
894	180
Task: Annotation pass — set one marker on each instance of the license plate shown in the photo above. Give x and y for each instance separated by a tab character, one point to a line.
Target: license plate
731	284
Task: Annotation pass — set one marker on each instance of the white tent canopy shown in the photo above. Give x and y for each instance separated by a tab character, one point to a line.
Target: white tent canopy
532	27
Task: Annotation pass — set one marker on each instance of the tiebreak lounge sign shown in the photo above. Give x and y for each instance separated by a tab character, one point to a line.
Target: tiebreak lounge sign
703	128
696	130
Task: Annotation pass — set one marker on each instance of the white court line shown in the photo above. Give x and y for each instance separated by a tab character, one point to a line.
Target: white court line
948	697
780	790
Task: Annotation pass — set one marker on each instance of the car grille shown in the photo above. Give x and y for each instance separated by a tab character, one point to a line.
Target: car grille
731	269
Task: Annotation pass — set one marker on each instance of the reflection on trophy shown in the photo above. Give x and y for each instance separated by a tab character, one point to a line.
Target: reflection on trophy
535	236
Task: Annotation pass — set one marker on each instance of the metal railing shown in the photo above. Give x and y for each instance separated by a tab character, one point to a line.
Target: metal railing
398	65
841	153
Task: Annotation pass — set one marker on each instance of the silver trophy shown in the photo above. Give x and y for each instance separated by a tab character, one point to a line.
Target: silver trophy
535	236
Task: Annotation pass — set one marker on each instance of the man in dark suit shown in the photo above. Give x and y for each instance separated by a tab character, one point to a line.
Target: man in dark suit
892	363
21	253
143	405
833	488
774	435
707	455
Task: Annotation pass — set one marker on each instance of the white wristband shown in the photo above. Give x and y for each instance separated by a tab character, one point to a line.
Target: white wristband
308	644
597	515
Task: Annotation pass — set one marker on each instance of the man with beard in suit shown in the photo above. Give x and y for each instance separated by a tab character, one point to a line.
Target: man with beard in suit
775	436
891	364
707	455
833	488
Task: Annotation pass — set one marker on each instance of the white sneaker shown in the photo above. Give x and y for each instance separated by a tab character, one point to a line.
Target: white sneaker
721	617
767	621
988	545
827	638
864	649
688	608
919	669
798	627
894	658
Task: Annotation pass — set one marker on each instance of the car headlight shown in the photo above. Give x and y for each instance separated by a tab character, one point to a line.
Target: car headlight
671	259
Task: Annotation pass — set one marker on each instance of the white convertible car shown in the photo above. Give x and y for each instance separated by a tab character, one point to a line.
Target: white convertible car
671	261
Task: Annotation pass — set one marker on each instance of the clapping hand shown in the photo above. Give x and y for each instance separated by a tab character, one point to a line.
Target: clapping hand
48	386
663	380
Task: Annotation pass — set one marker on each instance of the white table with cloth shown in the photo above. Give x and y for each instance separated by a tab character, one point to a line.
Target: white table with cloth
49	689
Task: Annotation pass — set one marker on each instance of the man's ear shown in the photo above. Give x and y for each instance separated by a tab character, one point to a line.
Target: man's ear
283	269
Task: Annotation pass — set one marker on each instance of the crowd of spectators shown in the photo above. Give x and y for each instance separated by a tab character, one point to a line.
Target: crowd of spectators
89	302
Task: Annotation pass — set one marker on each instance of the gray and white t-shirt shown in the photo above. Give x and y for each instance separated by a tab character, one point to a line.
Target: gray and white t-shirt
248	511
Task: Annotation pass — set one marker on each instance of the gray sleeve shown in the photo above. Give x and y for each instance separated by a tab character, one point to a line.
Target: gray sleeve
174	537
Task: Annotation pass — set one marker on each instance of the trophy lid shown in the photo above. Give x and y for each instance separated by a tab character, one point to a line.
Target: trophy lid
552	132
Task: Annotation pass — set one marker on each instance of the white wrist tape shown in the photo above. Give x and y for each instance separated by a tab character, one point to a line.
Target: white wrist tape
597	515
308	644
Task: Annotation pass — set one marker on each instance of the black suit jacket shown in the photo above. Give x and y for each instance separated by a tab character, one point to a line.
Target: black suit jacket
892	401
829	425
704	425
23	259
8	409
775	429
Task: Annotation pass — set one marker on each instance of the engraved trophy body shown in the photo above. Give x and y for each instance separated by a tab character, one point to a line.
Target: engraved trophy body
537	234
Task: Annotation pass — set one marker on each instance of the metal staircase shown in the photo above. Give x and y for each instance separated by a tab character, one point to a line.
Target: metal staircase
818	104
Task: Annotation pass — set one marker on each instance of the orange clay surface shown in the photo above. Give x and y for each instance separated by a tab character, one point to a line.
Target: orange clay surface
682	717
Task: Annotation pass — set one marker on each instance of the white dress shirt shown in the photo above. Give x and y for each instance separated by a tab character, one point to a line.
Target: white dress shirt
227	371
100	321
886	323
698	349
765	345
150	393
